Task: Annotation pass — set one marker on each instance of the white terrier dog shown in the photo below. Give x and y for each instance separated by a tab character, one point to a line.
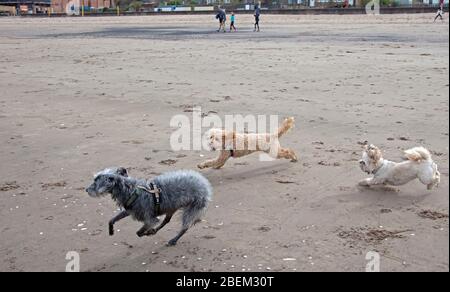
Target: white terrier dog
417	164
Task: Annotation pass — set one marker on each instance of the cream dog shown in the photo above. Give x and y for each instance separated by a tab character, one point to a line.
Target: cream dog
232	144
417	164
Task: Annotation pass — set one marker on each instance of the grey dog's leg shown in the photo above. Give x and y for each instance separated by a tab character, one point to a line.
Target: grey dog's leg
143	231
191	216
148	227
166	220
174	240
115	219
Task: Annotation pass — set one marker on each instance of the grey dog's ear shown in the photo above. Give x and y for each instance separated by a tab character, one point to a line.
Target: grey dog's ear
122	171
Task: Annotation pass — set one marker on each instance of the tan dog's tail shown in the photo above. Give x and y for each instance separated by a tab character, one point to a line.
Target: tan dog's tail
286	126
418	154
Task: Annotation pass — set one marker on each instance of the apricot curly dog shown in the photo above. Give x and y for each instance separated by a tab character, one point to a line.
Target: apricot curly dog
232	144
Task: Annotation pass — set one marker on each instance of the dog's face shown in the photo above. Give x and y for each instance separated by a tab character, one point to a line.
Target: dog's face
371	158
105	181
103	185
213	139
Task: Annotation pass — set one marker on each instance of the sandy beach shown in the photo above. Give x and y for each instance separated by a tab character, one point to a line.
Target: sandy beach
81	94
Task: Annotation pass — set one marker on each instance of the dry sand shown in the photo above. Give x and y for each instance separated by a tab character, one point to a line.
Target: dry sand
78	95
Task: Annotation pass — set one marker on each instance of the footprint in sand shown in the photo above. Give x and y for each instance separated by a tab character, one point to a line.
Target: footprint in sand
168	162
60	184
264	229
433	215
280	181
9	186
208	113
324	163
134	142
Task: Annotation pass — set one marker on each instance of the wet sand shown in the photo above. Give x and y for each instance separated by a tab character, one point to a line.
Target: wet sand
79	95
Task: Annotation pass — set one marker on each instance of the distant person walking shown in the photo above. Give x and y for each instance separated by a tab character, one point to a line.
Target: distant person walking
440	12
222	17
257	14
232	21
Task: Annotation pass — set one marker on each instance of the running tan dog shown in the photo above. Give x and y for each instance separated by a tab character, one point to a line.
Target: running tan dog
232	144
418	164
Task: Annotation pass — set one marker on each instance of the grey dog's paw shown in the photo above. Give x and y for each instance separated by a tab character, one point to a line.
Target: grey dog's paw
201	166
172	243
150	232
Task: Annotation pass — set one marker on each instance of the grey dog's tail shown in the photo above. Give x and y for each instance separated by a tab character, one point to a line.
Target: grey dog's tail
195	211
193	214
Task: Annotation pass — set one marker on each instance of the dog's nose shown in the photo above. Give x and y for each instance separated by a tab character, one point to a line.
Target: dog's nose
361	162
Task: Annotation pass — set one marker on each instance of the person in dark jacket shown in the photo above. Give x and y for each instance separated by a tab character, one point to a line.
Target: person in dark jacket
257	14
222	17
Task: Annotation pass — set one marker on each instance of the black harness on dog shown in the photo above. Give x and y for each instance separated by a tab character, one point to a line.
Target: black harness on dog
144	190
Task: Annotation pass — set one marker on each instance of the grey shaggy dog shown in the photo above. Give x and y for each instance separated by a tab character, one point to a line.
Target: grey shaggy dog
183	189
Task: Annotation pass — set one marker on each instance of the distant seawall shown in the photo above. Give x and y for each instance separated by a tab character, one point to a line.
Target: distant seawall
306	11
